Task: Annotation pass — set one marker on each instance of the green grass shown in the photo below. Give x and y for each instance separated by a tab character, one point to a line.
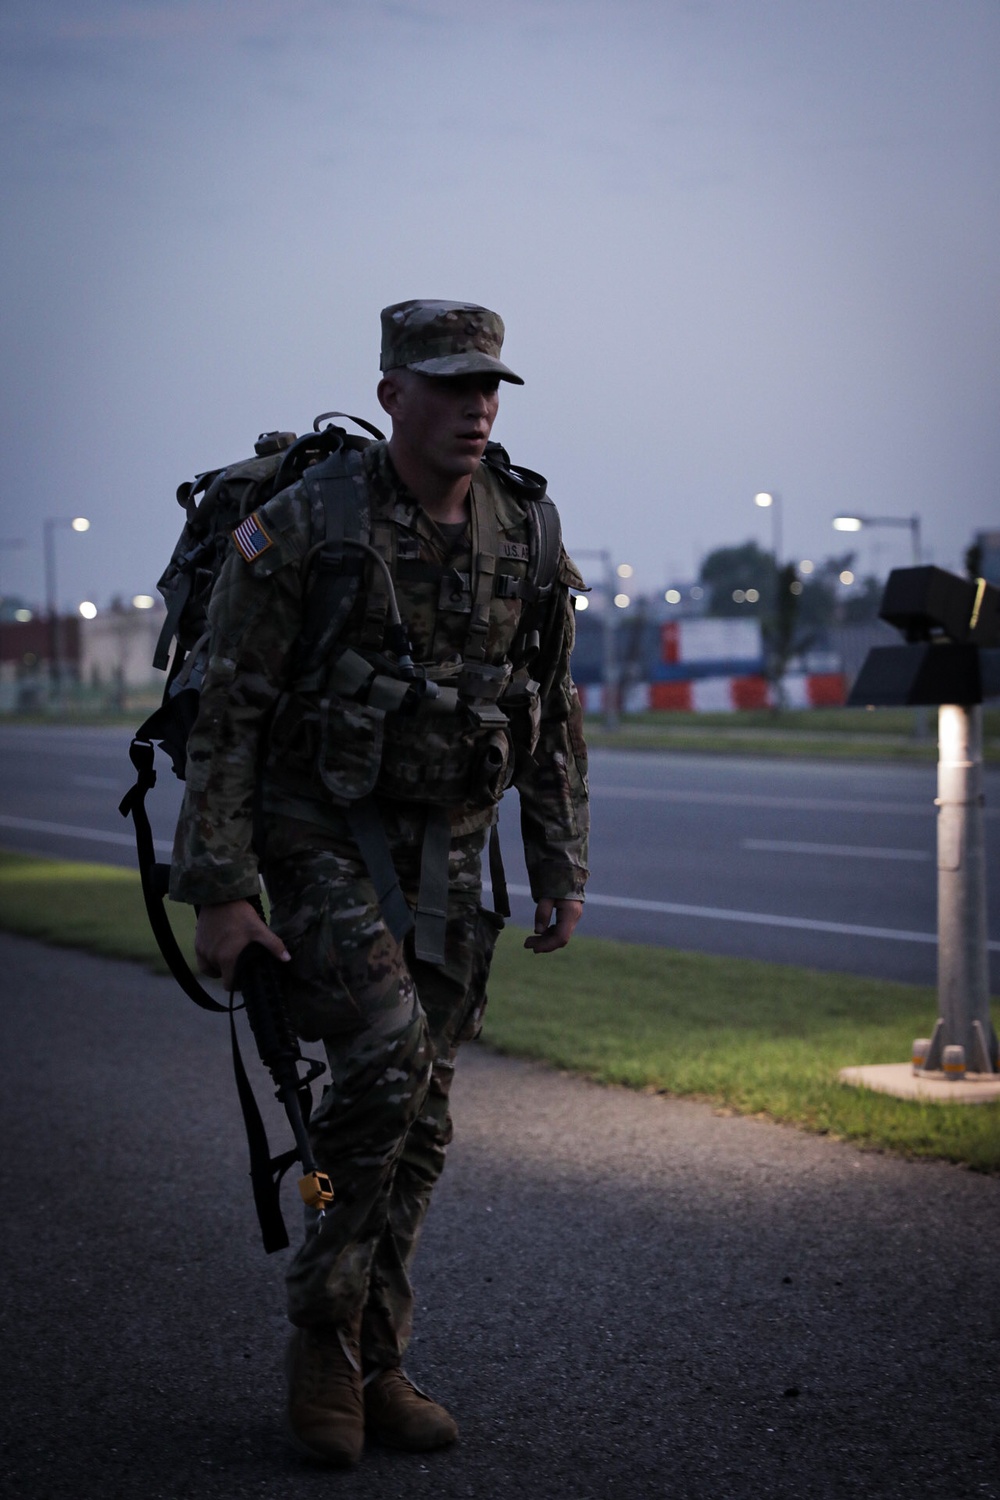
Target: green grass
835	733
754	1038
95	907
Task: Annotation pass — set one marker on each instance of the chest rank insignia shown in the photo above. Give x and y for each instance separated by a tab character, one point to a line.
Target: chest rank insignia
251	538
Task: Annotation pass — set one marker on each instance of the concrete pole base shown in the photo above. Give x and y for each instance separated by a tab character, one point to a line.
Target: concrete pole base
899	1080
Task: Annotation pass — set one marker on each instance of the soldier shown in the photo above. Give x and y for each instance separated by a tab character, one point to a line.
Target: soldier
364	795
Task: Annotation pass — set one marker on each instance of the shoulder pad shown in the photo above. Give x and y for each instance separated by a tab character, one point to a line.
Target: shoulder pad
570	574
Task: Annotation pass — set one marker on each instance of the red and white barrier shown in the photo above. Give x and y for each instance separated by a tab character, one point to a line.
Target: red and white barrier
722	694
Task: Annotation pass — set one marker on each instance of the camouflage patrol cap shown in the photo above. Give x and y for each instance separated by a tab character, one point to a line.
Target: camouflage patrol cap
443	338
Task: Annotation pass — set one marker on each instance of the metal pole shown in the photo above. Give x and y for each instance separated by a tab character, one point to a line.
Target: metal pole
963	977
51	606
610	662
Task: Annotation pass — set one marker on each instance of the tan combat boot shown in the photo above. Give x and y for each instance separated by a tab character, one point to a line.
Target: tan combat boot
398	1414
326	1412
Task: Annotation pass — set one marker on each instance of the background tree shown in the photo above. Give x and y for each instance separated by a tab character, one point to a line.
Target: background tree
734	570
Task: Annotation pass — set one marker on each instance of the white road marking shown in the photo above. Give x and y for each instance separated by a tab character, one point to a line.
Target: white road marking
846	851
66	830
756	918
621	903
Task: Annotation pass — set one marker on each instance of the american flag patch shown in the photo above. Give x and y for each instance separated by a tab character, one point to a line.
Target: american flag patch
251	538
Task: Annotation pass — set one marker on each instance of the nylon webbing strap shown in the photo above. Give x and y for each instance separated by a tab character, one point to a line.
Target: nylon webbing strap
178	598
133	805
432	899
498	876
339	485
383	539
485	540
547	544
365	823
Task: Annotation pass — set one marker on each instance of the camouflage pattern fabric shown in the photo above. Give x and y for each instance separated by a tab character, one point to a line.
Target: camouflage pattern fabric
261	760
444	338
319	748
391	1026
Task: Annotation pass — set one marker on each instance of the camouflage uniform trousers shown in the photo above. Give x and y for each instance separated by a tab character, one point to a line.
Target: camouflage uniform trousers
391	1026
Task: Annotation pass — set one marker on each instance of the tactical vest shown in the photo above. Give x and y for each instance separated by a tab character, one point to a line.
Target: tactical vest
361	718
361	722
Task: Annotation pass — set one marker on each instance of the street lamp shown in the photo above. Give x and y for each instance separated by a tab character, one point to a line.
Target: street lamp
49	526
768	500
855	523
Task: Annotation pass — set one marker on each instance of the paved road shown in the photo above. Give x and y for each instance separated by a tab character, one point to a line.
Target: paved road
621	1296
827	864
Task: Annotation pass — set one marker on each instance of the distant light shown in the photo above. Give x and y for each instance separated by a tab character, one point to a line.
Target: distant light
623	601
88	610
763	499
697	592
22	616
795	587
847	523
80	523
847	576
624	570
580	602
738	596
143	601
805	566
752	596
673	596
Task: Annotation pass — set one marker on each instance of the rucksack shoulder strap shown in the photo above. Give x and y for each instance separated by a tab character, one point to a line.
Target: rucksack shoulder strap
545	539
338	484
546	548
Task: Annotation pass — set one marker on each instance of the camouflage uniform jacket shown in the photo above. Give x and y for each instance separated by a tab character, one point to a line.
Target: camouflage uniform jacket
303	754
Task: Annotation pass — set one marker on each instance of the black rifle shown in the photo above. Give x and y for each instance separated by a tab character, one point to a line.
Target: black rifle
258	978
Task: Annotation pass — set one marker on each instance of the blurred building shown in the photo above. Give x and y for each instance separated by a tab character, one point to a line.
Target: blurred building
29	650
117	647
99	658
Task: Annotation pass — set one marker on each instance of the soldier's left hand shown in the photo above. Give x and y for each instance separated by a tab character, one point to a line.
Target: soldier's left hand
549	936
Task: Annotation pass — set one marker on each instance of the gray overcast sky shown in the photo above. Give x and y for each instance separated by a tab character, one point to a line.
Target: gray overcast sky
738	244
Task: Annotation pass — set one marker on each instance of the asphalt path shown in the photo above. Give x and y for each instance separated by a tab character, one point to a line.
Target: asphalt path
824	863
619	1295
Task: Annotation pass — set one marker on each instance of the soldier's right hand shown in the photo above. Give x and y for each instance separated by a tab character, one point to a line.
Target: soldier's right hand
223	932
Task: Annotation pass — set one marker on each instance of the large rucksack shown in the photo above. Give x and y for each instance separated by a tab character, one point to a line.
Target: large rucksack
215	502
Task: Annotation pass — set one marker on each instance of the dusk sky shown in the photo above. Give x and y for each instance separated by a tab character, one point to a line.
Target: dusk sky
738	245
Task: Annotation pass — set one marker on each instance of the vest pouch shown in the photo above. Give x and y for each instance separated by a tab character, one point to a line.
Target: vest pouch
496	765
449	759
351	737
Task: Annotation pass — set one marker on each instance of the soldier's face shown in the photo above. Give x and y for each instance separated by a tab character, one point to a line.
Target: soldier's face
446	421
